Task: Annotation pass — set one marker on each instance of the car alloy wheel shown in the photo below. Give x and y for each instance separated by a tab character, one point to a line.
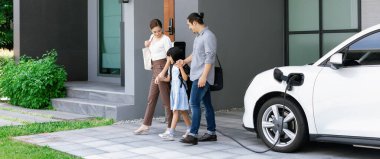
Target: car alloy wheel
271	124
293	126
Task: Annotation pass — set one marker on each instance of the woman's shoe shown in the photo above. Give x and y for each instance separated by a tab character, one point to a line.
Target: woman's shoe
164	133
143	130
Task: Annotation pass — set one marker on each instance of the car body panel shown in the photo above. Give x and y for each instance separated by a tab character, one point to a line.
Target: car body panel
349	103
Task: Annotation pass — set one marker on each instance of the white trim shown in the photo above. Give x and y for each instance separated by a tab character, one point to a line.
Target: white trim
129	49
16	28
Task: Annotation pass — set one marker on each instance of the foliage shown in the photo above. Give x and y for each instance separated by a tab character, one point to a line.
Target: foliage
33	82
3	61
18	150
6	31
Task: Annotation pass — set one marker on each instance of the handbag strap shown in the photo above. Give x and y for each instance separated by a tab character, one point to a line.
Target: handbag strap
218	61
151	38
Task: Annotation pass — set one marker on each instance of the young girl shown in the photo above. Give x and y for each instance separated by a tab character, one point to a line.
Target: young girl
179	101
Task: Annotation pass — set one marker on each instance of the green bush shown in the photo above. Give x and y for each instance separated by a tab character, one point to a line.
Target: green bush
33	82
3	62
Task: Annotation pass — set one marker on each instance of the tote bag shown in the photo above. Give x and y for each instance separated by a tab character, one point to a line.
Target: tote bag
147	58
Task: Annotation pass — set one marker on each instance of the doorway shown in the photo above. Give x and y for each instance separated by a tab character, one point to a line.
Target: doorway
169	19
109	37
175	15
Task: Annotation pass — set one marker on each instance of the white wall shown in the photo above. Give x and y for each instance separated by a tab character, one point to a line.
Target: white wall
93	61
370	13
182	33
16	28
129	47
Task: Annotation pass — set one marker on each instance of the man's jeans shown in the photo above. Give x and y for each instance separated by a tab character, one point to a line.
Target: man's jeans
197	96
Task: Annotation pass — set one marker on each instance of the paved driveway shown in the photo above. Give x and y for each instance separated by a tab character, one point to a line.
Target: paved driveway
12	115
118	141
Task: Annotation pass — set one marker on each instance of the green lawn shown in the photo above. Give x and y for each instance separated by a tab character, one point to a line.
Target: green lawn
10	149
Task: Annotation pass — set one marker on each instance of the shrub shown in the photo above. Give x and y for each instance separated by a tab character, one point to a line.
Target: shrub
33	82
3	62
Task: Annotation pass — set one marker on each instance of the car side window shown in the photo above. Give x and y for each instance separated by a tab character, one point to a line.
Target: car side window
366	51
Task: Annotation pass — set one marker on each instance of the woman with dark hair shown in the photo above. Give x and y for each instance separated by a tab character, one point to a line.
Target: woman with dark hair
158	44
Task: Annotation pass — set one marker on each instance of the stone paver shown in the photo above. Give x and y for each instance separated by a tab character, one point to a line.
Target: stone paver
4	122
118	141
12	115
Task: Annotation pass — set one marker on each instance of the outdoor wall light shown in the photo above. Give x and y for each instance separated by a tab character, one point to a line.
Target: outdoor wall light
124	1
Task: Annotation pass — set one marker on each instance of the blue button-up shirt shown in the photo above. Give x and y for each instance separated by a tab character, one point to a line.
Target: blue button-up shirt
204	52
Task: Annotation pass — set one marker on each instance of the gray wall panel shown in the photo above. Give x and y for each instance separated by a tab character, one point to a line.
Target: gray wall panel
250	37
145	11
370	13
182	9
60	25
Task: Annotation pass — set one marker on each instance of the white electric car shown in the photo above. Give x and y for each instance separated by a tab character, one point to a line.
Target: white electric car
336	99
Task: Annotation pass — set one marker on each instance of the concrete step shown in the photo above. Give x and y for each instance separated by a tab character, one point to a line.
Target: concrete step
99	94
98	108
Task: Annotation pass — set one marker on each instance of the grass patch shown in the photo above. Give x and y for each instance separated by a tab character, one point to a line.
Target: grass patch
10	149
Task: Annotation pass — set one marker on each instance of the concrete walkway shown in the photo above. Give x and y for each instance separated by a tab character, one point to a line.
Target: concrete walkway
118	141
12	115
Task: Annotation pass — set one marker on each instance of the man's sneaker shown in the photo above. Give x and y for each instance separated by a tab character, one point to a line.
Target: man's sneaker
186	133
207	137
168	137
189	139
164	133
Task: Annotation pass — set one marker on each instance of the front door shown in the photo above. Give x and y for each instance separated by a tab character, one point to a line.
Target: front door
169	27
109	37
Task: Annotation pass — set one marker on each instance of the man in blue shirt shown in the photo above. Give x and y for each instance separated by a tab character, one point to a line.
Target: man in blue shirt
202	74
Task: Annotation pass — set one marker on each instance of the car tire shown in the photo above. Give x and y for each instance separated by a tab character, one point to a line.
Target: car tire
294	132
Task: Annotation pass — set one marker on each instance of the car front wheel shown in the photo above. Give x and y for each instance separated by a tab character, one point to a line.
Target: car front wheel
273	117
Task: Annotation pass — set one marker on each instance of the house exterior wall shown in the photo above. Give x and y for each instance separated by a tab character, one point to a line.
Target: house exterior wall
182	33
370	13
59	25
250	38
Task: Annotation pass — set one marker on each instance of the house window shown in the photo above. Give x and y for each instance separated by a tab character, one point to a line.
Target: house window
314	27
109	37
